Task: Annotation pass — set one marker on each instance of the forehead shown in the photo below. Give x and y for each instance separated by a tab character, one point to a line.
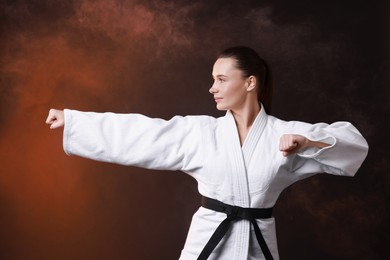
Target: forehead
225	66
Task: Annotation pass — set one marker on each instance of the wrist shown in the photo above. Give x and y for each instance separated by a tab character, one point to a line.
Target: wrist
316	144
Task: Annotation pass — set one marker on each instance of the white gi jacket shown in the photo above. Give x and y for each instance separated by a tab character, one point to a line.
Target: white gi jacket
208	149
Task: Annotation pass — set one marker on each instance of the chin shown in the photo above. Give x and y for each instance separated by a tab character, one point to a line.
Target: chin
222	108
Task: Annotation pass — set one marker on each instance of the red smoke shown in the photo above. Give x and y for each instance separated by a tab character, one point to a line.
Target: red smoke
84	58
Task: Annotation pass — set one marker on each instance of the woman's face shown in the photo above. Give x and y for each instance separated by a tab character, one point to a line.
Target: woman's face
230	87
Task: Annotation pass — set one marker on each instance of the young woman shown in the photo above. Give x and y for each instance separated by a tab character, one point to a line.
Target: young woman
241	161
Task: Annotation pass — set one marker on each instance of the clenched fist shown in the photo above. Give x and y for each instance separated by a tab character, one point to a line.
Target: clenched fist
55	118
290	144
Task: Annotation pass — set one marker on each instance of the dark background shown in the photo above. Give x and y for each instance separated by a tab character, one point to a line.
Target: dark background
330	63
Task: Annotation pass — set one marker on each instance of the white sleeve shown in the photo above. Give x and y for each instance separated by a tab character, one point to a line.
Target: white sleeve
131	139
344	156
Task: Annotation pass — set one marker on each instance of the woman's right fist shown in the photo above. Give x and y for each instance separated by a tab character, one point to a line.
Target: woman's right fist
55	118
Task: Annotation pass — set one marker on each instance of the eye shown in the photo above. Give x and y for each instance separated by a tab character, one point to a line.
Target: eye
220	79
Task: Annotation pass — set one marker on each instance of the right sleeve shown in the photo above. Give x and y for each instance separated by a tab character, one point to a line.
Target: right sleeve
345	154
133	139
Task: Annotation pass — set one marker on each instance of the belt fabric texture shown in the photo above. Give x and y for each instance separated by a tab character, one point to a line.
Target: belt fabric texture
234	213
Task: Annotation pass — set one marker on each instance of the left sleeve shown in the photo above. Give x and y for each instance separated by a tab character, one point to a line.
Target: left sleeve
344	156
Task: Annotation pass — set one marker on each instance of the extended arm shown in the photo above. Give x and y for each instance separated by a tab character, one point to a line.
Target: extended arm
130	139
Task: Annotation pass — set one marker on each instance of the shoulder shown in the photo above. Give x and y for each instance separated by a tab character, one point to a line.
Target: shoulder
294	126
198	119
195	123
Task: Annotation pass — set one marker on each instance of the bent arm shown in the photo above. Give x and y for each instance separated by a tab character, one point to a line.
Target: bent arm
290	144
338	148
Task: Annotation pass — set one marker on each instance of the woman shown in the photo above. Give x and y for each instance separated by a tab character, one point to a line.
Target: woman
241	161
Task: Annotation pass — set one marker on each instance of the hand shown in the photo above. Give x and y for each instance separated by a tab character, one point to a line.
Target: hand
290	144
55	118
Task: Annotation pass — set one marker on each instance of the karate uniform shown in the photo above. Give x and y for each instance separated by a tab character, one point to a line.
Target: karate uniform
208	149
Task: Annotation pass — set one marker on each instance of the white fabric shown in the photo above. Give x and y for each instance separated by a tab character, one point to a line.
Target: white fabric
209	150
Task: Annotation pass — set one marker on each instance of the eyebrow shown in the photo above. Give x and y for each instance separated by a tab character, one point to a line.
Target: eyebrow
219	76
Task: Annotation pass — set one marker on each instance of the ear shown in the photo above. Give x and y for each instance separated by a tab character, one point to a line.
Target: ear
251	81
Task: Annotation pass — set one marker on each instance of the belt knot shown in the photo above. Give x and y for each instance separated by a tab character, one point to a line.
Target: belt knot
234	212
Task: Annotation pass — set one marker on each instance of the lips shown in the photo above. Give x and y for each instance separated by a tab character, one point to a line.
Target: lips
217	99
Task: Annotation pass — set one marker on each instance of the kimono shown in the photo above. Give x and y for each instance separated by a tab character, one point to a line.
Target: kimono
250	175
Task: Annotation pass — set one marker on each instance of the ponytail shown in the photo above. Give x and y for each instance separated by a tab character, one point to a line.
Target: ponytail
264	95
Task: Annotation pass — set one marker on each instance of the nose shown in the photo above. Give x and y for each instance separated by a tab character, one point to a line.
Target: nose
213	89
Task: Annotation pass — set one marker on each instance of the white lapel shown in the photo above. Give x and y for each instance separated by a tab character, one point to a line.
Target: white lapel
239	178
253	136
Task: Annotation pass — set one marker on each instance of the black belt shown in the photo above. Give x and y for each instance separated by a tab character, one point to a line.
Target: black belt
234	213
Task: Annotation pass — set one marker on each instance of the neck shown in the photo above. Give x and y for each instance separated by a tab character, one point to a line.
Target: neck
244	119
246	116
